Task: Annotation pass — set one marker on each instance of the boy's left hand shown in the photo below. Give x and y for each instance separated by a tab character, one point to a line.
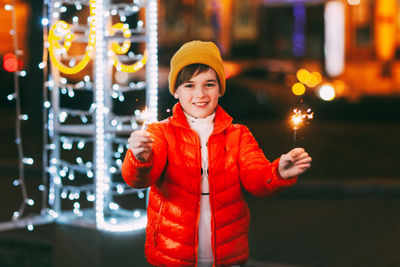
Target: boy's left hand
293	163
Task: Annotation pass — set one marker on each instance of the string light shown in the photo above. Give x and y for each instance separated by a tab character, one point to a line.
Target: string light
19	117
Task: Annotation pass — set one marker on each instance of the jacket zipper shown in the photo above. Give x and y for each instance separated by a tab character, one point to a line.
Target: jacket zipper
214	232
157	225
198	208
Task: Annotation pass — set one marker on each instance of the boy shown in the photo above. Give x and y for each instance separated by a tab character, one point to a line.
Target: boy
196	162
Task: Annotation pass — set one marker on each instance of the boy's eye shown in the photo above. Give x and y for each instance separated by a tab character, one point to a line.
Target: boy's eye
188	85
210	84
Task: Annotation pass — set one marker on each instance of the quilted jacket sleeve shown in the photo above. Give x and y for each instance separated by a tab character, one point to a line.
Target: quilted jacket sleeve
144	174
257	175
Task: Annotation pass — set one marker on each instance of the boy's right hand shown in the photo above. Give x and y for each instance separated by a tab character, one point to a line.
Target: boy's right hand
140	143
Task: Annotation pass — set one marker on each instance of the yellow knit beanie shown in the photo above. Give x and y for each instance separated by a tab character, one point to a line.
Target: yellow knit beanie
195	52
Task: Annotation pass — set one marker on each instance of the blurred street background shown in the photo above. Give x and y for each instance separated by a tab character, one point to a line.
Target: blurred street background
343	212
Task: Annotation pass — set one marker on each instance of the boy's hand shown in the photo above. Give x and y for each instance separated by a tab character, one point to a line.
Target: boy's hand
293	163
140	142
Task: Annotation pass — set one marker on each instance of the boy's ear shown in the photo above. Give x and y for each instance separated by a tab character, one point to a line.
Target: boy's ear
176	94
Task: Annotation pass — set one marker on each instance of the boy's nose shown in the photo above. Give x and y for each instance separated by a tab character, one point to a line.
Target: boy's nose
199	91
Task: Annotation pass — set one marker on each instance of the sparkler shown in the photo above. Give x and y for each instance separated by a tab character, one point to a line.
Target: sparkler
298	116
145	116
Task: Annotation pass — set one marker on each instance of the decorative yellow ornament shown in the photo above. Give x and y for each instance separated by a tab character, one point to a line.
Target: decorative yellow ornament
56	33
61	29
117	49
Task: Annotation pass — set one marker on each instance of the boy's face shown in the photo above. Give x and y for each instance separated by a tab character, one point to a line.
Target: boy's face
199	96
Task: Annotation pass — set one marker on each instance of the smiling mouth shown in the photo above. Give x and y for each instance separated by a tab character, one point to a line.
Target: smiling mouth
200	104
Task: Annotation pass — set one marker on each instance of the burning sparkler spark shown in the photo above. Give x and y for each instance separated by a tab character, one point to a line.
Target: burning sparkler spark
145	117
298	116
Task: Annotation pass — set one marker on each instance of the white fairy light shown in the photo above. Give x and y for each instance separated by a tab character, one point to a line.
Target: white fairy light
63	173
53	214
30	202
45	21
79	160
78	6
113	206
47	104
81	144
23	117
140	194
28	161
8	7
120	189
42	65
16	214
84	119
136	214
11	96
90	198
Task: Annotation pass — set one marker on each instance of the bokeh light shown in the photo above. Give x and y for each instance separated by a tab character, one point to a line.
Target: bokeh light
327	92
303	76
10	62
298	89
315	79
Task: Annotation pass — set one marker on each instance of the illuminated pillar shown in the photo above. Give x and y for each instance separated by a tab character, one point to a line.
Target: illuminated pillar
225	31
105	55
334	37
385	29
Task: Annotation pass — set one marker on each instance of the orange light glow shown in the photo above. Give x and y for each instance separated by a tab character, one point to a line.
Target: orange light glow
231	69
315	79
339	86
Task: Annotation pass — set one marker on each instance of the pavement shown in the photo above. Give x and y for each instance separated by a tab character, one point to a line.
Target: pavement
343	212
317	222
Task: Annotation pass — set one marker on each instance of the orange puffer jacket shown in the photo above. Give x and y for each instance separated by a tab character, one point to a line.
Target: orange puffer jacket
174	174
